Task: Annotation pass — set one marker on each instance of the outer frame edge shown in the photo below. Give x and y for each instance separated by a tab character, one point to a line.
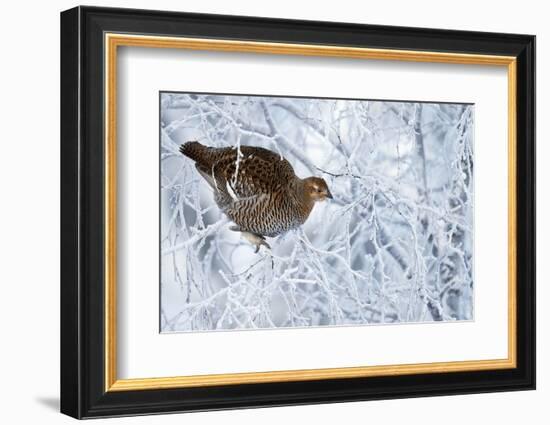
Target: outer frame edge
103	405
70	348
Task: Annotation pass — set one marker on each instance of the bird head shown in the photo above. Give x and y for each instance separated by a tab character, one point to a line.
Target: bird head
316	189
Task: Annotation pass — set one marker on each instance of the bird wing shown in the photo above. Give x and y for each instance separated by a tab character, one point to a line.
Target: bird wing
256	172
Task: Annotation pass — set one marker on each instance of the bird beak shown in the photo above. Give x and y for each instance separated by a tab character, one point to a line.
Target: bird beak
329	195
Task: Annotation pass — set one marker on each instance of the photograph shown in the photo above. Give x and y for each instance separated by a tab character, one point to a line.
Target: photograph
298	212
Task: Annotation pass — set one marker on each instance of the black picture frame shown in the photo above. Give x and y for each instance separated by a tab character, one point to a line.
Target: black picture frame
83	392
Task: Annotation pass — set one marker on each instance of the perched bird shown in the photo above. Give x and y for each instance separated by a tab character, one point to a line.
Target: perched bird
257	189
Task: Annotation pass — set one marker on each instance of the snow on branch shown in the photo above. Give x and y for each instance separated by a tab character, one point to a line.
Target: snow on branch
394	245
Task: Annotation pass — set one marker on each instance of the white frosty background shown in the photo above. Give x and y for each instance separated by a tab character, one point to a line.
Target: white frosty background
395	245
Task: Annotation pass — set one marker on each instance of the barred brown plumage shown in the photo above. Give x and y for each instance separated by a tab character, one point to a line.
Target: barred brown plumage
256	188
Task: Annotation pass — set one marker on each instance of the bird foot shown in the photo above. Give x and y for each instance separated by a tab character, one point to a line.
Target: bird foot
253	238
257	240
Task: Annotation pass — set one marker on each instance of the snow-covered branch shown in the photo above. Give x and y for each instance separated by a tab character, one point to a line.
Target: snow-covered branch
394	245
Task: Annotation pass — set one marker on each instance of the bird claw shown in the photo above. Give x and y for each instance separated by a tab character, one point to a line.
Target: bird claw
256	240
262	242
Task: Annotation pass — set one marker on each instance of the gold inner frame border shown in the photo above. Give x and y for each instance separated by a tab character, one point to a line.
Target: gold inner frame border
113	40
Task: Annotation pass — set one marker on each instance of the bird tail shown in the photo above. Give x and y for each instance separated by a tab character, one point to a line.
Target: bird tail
193	150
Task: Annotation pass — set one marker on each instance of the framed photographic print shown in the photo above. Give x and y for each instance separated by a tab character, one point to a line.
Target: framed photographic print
261	212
